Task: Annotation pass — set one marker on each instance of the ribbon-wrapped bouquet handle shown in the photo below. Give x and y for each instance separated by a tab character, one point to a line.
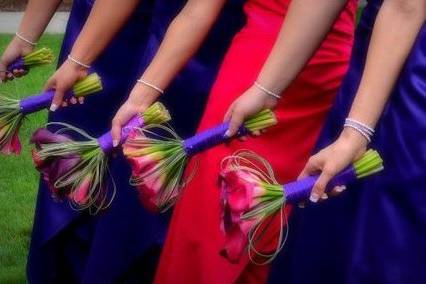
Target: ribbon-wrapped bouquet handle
42	56
13	112
210	138
78	170
105	141
250	196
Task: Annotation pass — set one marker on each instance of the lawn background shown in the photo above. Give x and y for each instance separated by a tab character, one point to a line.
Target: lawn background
18	178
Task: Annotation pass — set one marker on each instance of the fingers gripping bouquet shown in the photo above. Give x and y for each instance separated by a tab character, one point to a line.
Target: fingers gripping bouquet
78	170
42	56
251	198
13	112
159	161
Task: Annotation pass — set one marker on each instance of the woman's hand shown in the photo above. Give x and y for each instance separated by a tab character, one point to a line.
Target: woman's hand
62	81
248	104
349	147
14	50
141	98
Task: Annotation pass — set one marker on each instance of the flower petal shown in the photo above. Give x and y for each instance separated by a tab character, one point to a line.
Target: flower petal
44	136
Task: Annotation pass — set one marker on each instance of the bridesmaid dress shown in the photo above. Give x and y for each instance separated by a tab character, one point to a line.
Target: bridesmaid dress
375	231
121	244
191	252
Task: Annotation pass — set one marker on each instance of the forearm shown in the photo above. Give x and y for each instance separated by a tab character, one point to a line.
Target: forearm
37	16
303	30
394	34
105	20
183	38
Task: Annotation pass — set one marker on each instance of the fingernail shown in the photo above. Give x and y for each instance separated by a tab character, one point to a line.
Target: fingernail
314	198
227	134
340	188
53	107
114	143
324	196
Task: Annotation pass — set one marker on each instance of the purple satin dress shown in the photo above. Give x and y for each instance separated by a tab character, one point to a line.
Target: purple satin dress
121	244
374	232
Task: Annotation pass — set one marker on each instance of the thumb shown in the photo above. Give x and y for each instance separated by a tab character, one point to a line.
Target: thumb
116	131
237	119
312	167
57	99
320	186
228	113
50	84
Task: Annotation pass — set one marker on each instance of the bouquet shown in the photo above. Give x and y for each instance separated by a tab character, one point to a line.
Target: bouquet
251	198
77	170
13	112
36	58
158	162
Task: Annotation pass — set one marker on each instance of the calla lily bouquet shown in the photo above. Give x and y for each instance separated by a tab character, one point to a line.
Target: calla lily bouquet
251	197
13	112
39	57
78	170
158	162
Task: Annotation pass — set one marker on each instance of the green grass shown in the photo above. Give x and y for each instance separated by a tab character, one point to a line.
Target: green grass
18	178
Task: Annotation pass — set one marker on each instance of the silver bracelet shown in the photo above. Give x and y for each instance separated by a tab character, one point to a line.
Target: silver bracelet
25	40
70	58
363	125
359	130
143	82
266	91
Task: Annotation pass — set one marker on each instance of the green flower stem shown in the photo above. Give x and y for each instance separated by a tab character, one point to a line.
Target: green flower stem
88	85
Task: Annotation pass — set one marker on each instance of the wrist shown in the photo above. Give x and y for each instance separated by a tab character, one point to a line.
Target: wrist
73	67
266	90
23	46
141	91
151	86
77	63
267	100
354	138
25	40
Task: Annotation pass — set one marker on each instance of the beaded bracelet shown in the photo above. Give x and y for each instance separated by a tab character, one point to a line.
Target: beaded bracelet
72	59
143	82
25	39
366	131
266	91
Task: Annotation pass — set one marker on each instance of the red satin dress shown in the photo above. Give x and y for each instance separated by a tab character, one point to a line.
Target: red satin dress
191	252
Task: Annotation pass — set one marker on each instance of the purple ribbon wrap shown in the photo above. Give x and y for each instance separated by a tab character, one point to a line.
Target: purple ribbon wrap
105	141
17	64
300	190
35	103
209	138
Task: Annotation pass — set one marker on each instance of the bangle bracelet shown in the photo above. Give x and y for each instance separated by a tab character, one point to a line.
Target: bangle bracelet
70	58
365	126
360	131
143	82
25	40
360	127
266	91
